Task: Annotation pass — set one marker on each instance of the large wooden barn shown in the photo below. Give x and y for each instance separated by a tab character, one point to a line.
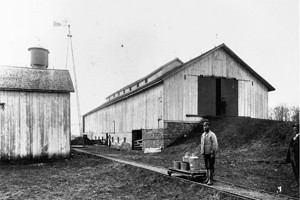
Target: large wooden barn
171	100
34	110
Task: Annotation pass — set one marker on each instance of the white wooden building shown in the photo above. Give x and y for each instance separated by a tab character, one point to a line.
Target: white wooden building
34	111
183	93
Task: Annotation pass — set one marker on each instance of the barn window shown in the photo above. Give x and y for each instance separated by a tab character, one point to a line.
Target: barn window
124	139
129	88
2	106
112	139
146	80
118	140
137	85
123	91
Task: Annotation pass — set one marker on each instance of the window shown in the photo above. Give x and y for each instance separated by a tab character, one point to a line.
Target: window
118	140
112	139
129	88
124	139
137	85
146	80
123	91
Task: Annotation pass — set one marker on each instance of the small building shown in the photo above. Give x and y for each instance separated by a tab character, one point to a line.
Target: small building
34	110
170	101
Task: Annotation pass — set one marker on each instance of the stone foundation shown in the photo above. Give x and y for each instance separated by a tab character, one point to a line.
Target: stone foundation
162	138
153	138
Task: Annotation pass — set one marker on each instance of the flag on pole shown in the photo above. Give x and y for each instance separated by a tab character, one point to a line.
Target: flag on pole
55	23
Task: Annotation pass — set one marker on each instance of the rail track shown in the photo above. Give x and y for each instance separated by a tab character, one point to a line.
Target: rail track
234	190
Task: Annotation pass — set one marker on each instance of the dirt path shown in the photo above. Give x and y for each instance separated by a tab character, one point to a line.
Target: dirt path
218	185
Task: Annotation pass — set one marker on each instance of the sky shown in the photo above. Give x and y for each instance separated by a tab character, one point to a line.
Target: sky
117	42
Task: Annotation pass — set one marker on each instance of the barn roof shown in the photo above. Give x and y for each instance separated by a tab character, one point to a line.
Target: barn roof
149	75
35	80
234	56
179	68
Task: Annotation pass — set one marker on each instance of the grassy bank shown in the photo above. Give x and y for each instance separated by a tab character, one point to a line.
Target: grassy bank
252	153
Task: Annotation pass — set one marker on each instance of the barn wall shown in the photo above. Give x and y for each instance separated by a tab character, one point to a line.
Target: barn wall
34	125
181	89
140	111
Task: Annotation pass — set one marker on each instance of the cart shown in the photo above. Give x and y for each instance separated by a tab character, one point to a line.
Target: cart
190	174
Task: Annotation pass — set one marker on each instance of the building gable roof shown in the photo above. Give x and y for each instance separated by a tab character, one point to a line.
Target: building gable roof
233	55
35	80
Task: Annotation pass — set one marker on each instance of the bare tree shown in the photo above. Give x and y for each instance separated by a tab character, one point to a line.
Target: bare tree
295	114
271	113
284	113
281	113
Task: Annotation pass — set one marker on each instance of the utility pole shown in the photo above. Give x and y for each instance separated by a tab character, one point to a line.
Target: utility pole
75	79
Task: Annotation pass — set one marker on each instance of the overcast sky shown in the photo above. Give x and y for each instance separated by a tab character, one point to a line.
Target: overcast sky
264	33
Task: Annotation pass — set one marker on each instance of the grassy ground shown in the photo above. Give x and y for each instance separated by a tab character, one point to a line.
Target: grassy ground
252	153
88	177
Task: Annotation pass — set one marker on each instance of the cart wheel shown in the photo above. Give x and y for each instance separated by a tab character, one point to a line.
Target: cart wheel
169	172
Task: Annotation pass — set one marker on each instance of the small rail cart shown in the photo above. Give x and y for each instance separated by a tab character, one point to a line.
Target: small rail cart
190	174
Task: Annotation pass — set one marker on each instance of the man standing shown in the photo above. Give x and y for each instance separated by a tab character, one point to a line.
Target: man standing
293	152
209	147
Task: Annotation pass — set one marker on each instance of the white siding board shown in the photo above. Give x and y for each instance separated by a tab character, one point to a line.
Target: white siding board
140	111
27	126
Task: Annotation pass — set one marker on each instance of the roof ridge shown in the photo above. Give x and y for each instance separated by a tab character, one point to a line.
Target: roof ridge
148	75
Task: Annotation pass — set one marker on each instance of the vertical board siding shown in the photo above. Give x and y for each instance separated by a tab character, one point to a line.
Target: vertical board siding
34	125
140	111
180	96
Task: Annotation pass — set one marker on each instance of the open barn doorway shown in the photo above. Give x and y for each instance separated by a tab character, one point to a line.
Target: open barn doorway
137	142
217	96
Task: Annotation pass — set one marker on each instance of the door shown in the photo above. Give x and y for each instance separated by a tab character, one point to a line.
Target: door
229	97
206	96
217	96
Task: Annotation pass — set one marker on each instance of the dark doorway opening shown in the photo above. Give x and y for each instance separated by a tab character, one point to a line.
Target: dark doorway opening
206	96
217	96
137	142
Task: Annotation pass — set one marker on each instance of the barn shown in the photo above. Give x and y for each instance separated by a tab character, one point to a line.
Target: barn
160	107
34	110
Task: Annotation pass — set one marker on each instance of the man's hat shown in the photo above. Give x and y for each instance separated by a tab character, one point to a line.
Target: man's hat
206	123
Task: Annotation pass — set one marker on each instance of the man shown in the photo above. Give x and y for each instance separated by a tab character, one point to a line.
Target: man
209	147
293	152
223	106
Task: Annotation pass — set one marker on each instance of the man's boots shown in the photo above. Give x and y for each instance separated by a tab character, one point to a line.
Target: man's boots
207	177
210	180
